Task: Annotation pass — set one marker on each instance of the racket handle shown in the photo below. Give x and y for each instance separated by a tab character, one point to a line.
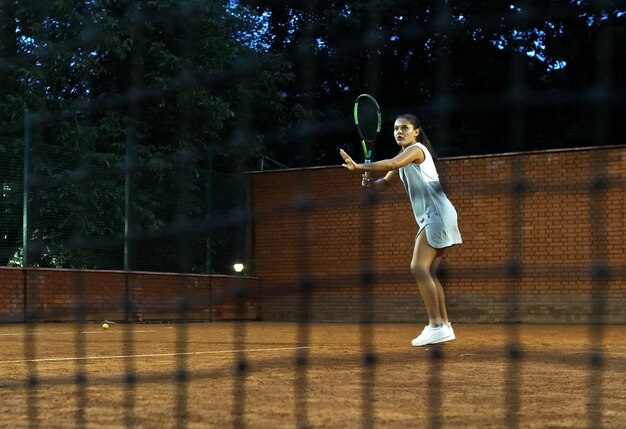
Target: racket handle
366	179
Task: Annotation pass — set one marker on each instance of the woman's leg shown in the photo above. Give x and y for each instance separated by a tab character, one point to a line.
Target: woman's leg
434	268
421	267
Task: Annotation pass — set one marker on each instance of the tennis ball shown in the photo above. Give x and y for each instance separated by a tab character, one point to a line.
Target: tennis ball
105	326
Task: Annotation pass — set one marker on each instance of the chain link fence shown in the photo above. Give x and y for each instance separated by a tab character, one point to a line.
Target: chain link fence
115	211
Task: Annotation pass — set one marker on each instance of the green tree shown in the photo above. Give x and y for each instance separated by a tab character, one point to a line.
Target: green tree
169	76
458	65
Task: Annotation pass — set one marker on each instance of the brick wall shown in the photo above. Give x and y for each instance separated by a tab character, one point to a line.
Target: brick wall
541	231
534	251
66	295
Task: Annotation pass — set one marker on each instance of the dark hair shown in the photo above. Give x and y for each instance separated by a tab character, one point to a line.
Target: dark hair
422	137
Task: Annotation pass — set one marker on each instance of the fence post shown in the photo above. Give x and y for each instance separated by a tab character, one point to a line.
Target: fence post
25	188
209	208
130	164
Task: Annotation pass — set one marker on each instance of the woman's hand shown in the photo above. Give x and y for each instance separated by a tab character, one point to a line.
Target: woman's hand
348	162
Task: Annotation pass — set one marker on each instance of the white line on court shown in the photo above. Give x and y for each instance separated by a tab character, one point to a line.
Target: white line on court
74	358
99	331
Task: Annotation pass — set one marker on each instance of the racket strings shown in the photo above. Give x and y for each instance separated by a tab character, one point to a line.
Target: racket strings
367	120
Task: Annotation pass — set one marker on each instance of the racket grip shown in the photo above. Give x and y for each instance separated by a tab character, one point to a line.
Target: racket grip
366	179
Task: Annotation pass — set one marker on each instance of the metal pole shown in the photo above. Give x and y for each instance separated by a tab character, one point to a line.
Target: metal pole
209	209
27	142
129	184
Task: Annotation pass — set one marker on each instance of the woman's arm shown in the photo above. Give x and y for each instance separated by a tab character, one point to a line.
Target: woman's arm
389	179
407	156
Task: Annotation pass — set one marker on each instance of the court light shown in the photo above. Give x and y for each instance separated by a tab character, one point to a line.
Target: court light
238	267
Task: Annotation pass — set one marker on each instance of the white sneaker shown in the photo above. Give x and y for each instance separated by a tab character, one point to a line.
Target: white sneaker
431	335
450	337
419	340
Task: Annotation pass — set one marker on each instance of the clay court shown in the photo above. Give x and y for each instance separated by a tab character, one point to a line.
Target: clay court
473	382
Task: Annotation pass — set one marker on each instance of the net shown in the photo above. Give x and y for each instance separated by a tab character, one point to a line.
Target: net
131	133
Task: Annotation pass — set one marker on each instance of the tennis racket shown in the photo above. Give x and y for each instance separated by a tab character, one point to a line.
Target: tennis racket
368	121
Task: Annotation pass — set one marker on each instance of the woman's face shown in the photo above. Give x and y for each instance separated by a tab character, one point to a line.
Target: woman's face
404	132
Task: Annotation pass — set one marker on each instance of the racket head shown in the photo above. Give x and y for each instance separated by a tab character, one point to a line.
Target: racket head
368	121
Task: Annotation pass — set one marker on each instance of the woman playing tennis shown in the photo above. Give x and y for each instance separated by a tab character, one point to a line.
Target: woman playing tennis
434	213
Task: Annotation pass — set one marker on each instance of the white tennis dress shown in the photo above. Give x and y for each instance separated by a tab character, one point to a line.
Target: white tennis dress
432	209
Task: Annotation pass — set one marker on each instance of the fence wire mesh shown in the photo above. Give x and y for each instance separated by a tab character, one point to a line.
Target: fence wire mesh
89	211
128	128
